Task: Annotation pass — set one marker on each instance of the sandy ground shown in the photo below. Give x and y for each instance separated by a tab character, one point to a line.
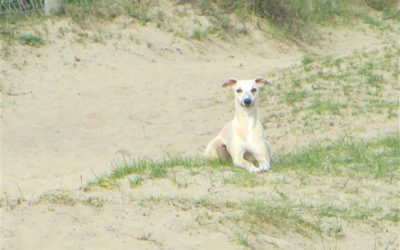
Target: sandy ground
71	107
163	215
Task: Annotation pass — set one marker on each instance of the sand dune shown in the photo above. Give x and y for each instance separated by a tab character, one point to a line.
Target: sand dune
72	107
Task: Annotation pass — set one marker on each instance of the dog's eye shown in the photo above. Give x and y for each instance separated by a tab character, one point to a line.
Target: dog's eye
239	90
253	90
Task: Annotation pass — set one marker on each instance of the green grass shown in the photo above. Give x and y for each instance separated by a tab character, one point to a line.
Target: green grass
377	159
308	59
158	171
31	40
136	181
393	215
204	202
141	12
201	34
335	229
346	157
216	30
382	4
288	13
153	169
293	17
242	240
87	12
375	80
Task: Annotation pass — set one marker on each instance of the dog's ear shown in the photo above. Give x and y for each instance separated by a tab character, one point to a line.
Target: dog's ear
261	81
229	83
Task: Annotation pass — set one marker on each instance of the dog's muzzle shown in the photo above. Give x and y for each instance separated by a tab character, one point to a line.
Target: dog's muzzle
247	102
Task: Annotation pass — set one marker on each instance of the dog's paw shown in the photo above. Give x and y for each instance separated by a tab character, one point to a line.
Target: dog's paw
254	170
265	167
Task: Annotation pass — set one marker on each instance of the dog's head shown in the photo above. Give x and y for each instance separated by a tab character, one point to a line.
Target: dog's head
246	91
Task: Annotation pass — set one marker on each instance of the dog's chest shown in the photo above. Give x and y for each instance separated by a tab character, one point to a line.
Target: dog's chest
252	140
249	132
251	144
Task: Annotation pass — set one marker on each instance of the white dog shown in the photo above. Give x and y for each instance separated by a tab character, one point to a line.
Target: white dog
242	139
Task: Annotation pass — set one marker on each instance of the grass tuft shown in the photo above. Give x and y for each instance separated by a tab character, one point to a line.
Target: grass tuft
136	181
202	34
242	240
31	40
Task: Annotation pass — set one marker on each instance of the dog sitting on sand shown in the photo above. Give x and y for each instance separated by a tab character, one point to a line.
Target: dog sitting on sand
242	139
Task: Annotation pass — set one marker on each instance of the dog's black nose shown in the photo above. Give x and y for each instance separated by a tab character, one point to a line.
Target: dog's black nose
247	101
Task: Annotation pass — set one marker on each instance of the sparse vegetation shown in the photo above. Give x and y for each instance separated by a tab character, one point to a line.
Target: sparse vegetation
283	211
66	198
377	159
294	16
154	169
199	34
243	179
323	88
381	5
295	96
242	240
290	16
31	40
136	181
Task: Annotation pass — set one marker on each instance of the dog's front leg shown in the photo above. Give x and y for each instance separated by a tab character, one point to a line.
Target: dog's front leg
264	158
265	165
239	161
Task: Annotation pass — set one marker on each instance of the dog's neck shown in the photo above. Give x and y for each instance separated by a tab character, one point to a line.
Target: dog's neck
246	115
